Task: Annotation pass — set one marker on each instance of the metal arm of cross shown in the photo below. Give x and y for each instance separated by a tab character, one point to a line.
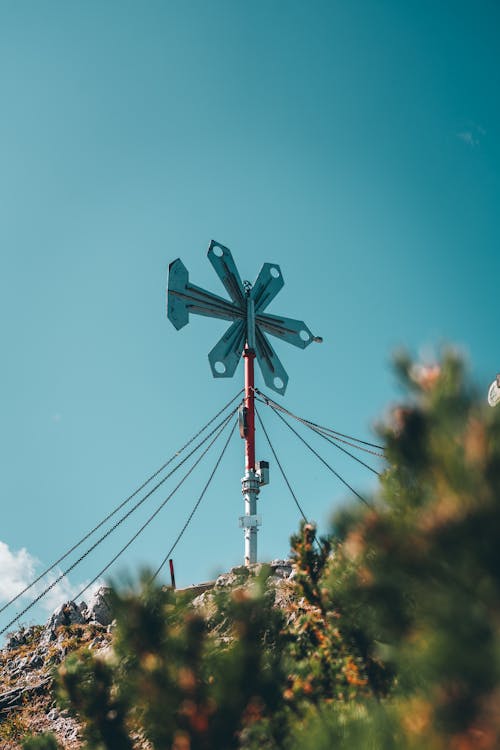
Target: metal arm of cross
246	336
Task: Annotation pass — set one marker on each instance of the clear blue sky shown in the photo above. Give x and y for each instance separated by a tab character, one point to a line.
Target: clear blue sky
354	143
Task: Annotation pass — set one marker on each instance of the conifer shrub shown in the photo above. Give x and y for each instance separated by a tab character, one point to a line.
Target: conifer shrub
390	641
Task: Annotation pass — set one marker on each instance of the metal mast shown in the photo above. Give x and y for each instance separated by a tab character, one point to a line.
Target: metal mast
245	337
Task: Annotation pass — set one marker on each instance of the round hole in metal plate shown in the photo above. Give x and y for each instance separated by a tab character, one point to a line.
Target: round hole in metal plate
278	383
218	251
305	335
220	368
275	272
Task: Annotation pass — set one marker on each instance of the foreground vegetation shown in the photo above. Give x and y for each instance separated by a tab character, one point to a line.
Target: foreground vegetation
391	638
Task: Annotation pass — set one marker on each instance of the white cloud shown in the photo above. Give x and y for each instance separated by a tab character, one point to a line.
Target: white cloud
472	134
19	569
64	591
467	137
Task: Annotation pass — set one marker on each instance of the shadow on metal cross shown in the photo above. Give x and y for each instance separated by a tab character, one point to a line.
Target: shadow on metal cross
246	311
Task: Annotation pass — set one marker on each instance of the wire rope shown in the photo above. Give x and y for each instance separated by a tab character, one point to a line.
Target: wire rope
329	439
280	467
153	515
360	497
333	442
333	436
196	505
220	425
283	474
120	506
328	430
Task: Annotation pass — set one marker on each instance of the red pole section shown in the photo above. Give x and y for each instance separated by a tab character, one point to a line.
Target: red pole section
172	574
249	357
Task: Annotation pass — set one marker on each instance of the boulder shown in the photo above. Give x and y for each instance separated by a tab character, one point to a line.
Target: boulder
67	614
20	638
282	569
98	609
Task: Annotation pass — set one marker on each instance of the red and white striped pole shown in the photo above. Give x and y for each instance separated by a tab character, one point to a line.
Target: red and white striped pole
249	357
172	573
250	483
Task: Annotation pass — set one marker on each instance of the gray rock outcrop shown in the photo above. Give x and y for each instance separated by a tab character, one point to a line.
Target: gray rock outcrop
97	612
99	608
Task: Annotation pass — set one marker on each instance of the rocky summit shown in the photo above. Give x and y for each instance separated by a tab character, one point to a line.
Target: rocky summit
27	663
32	655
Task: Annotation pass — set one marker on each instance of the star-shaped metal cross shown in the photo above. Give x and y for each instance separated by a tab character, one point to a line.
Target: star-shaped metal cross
246	310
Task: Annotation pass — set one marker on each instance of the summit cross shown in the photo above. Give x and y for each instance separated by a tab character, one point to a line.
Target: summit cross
246	337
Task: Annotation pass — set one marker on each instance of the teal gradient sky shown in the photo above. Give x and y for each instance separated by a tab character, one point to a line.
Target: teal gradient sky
356	144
